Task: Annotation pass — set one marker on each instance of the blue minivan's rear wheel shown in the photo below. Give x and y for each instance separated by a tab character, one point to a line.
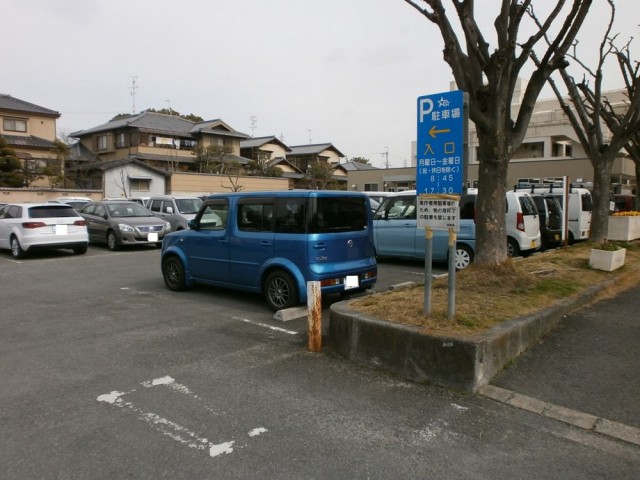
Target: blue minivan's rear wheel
280	290
173	273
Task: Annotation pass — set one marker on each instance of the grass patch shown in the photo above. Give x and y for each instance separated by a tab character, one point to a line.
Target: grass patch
489	295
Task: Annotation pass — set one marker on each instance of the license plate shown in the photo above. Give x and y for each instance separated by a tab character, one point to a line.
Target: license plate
153	237
60	229
533	244
556	237
351	281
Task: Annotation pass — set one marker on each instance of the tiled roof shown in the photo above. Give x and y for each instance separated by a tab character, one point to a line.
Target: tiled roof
313	149
260	141
150	121
170	125
352	166
7	102
107	165
217	126
19	141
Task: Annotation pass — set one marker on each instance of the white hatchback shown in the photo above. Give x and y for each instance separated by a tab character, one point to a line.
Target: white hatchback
25	227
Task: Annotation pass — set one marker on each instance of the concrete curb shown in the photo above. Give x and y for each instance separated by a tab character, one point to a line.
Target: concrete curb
464	364
578	419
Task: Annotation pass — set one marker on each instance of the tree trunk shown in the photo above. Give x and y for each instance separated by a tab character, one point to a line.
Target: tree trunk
491	241
636	202
602	166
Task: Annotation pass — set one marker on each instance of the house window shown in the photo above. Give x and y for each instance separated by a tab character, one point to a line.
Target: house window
371	187
101	142
14	124
140	184
120	141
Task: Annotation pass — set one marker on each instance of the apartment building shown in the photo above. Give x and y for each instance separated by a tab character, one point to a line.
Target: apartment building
550	150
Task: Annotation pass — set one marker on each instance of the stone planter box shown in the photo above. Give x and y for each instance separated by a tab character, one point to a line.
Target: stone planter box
463	363
607	260
624	228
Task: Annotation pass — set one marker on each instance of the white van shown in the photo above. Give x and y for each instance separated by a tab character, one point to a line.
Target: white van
579	209
522	224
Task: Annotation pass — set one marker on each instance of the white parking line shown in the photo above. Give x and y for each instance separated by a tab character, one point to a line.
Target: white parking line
276	329
171	429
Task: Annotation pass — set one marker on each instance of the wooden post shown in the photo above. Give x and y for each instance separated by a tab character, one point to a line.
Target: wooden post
314	319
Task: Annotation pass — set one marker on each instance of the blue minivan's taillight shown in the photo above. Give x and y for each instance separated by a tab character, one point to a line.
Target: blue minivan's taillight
331	282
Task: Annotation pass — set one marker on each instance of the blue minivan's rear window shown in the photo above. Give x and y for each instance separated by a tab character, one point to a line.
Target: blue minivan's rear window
339	214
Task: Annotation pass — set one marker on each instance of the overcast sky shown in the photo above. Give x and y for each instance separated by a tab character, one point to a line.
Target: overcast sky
341	71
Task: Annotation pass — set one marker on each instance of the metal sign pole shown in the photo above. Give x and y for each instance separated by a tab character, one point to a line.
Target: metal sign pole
428	277
451	304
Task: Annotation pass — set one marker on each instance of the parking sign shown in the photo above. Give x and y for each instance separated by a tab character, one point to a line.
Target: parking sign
440	150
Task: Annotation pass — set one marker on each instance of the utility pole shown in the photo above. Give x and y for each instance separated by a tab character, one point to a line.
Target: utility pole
254	123
310	142
386	154
133	89
169	105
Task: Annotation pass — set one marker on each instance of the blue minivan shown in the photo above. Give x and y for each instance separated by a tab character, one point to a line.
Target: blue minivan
273	243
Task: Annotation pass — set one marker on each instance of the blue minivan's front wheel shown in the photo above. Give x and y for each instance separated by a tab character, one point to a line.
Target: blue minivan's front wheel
173	273
280	290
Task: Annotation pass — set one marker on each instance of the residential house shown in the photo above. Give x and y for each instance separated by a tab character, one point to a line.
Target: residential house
30	130
263	148
301	157
168	143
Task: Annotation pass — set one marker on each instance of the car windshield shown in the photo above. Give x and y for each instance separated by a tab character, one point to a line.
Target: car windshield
53	210
188	205
130	209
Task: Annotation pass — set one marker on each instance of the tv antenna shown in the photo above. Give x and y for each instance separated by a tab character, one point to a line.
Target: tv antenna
133	89
254	123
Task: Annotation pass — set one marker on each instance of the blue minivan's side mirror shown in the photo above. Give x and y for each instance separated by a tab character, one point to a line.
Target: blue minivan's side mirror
192	224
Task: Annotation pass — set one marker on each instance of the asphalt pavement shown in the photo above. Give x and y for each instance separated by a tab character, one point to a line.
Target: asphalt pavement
588	364
104	373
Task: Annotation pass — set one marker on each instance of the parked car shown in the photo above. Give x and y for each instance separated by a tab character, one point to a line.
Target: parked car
76	202
118	223
25	227
578	210
522	223
274	243
395	232
550	219
175	210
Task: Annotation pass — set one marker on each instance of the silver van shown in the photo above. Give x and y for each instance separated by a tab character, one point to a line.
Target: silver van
175	210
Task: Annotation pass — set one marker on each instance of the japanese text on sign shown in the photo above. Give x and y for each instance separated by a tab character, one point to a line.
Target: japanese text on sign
439	212
440	155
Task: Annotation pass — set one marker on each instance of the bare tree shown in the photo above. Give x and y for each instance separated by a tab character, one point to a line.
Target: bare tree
233	175
603	129
122	183
490	79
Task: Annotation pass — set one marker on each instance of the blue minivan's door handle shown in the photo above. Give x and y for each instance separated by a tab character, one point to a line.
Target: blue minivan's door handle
265	243
320	246
223	240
